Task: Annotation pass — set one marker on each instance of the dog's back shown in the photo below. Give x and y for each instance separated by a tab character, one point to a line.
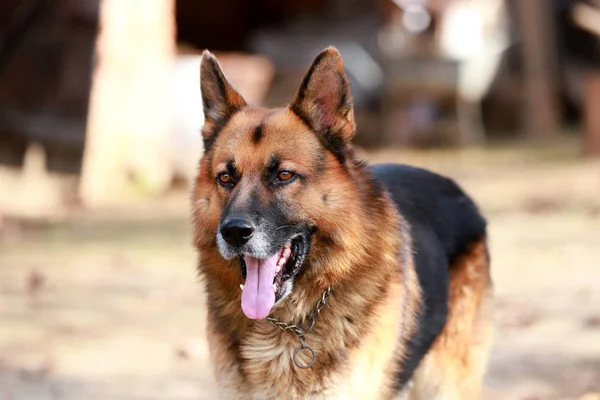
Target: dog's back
441	214
444	222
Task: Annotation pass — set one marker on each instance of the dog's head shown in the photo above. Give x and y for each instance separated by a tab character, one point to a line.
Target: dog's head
271	178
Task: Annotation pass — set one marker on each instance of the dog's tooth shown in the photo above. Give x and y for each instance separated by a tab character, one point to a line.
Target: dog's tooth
281	261
287	252
241	286
278	268
274	288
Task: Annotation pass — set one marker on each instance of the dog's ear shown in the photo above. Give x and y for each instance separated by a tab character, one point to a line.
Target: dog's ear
324	100
219	99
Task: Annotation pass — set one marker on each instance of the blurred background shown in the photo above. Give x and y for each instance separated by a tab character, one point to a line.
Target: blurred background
100	117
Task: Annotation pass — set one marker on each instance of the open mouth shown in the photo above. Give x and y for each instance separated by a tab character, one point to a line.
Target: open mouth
266	279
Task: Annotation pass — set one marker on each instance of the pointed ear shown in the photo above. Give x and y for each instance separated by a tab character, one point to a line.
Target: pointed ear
324	100
219	99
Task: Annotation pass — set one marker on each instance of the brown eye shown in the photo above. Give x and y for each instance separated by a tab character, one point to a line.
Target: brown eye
285	175
224	177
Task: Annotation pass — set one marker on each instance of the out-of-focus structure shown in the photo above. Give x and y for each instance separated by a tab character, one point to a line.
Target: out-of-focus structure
460	43
105	93
130	113
587	17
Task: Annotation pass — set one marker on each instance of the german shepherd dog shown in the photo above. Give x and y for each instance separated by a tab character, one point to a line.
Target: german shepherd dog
326	278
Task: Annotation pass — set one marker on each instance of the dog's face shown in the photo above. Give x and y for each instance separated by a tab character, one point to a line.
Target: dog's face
269	178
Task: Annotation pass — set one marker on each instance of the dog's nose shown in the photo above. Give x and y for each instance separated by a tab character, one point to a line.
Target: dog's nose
236	231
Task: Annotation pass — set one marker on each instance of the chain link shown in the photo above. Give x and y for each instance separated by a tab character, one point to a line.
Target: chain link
297	329
312	317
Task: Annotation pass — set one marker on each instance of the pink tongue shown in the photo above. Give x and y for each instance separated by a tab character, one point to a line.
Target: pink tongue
258	297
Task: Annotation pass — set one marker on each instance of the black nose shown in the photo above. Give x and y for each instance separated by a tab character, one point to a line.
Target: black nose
236	231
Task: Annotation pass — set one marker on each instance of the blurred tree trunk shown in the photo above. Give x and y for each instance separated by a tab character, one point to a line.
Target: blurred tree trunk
541	112
591	104
129	119
587	17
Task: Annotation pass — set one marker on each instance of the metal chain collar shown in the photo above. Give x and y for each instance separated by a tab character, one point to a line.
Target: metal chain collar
300	332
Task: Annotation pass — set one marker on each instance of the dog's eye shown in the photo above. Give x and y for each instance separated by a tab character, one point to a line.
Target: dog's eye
285	176
225	178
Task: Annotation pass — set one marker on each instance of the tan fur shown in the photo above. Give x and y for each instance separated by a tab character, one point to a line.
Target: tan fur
455	365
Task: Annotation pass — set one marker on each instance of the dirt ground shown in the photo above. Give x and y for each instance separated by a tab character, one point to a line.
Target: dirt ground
106	305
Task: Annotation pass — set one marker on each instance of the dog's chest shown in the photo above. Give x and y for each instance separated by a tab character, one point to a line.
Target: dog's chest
267	365
361	372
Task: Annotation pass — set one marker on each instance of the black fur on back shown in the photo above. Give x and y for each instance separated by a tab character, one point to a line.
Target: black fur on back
443	222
